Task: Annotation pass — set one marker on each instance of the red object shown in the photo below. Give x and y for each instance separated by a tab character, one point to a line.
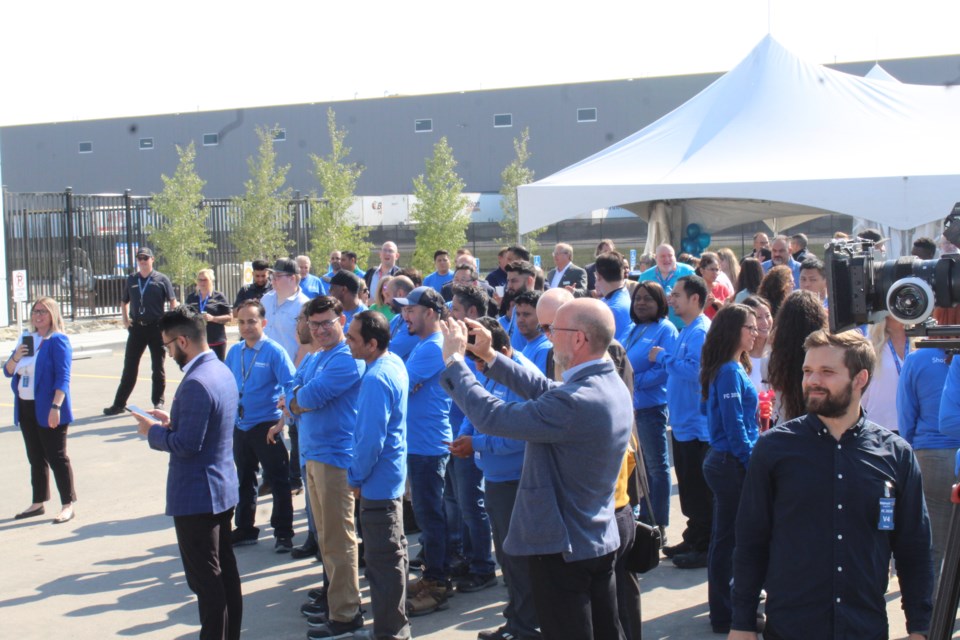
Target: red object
955	494
765	408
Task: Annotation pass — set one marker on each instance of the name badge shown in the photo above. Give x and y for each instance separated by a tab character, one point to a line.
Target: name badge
886	509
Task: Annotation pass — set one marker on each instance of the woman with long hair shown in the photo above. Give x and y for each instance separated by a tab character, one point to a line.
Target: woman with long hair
651	328
731	408
729	267
892	345
214	308
749	279
761	346
802	314
40	367
776	286
382	298
709	270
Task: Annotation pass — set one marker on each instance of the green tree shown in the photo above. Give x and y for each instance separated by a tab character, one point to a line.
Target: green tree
515	174
440	208
333	226
180	235
260	231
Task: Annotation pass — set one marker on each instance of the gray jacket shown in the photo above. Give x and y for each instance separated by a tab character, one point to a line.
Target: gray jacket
576	434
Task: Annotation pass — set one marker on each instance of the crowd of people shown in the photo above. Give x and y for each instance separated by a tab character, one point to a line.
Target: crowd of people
506	418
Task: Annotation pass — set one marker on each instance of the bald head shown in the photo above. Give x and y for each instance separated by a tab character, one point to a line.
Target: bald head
550	301
593	318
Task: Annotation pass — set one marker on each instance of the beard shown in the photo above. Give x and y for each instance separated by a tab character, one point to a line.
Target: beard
829	406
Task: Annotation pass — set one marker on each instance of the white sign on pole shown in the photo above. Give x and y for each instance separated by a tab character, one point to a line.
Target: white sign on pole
20	285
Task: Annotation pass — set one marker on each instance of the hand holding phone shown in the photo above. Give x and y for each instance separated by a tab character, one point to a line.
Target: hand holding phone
28	343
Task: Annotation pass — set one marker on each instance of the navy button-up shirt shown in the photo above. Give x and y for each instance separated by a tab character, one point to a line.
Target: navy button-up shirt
808	531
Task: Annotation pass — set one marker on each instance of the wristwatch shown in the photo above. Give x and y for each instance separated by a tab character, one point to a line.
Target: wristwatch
55	406
453	359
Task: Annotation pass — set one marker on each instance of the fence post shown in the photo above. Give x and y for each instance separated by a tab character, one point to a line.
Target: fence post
69	241
127	209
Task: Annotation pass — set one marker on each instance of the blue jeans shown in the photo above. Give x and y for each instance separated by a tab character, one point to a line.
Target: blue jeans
427	474
724	474
470	496
458	543
652	432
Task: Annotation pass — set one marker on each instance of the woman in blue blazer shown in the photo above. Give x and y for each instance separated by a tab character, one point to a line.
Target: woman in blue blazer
41	389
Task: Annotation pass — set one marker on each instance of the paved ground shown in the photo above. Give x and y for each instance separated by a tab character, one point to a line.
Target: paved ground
115	571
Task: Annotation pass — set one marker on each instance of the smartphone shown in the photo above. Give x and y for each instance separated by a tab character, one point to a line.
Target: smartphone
137	411
28	341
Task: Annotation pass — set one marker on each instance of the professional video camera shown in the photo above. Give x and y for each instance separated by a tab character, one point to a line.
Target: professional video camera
860	287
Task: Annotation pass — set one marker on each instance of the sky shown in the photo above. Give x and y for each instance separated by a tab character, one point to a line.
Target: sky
63	61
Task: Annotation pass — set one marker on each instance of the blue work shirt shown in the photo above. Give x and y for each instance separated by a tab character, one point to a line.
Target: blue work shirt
683	382
950	404
537	351
649	378
379	465
428	415
794	266
401	342
731	410
668	283
619	303
436	281
312	286
263	373
922	383
500	459
349	315
329	399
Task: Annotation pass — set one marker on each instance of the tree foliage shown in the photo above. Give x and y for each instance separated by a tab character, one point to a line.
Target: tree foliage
179	235
333	226
440	208
260	231
515	174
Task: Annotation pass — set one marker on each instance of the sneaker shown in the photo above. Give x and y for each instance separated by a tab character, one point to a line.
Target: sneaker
416	563
310	609
692	560
333	629
283	545
239	538
460	568
317	595
497	634
159	405
113	410
431	596
476	582
304	551
677	549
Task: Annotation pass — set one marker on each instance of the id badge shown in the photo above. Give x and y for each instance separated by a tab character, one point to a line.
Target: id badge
887	503
25	381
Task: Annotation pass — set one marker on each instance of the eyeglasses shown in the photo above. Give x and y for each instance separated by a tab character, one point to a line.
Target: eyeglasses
323	324
166	345
40	311
752	328
552	328
203	279
546	328
144	258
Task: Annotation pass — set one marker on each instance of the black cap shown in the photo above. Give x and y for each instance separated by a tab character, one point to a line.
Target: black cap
287	266
346	279
144	251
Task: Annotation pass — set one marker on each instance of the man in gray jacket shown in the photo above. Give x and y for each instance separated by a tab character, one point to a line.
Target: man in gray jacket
576	433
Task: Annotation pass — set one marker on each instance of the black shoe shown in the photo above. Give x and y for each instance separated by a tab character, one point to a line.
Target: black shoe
317	595
333	629
39	511
241	539
476	582
692	560
502	634
311	609
304	551
677	549
283	545
113	410
416	563
159	405
460	568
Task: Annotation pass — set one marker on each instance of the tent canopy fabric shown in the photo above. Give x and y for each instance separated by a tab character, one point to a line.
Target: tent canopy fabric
776	131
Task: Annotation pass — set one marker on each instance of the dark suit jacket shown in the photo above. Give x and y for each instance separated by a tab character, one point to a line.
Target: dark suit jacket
574	277
368	276
591	270
202	477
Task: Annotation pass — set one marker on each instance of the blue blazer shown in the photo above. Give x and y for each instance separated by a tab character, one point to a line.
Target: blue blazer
51	372
201	477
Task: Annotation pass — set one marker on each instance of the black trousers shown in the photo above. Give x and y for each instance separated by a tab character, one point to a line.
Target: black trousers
250	449
628	585
46	449
211	572
385	552
139	338
696	499
575	600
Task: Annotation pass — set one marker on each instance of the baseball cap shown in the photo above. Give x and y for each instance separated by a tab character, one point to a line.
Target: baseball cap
423	296
144	251
346	279
287	266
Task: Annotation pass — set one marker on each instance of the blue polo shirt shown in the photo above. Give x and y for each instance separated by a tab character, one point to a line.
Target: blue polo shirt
312	286
428	415
649	378
401	342
436	281
263	373
668	283
619	303
922	384
379	465
731	410
349	315
683	382
794	266
537	351
330	396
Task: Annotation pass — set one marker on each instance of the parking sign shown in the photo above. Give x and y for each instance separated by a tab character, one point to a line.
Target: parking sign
20	285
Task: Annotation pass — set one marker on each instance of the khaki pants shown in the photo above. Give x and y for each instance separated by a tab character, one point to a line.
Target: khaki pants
332	503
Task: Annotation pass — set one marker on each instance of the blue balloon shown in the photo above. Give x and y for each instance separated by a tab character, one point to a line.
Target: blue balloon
693	230
703	240
689	245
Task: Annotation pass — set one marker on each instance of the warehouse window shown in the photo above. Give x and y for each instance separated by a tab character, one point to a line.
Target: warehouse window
85	147
211	139
503	120
146	144
423	126
279	135
587	115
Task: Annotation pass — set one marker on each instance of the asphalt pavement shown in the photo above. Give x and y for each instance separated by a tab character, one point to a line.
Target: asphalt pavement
114	571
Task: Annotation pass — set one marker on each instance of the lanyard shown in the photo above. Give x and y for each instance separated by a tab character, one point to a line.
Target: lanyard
143	286
202	304
633	338
896	359
244	372
663	282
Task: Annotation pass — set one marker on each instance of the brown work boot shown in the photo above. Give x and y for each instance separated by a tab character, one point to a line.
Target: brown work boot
428	596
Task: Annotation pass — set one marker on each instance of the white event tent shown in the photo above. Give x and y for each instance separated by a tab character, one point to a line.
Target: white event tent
775	138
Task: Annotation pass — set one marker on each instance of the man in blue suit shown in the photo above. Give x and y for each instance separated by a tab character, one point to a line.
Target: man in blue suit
202	481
